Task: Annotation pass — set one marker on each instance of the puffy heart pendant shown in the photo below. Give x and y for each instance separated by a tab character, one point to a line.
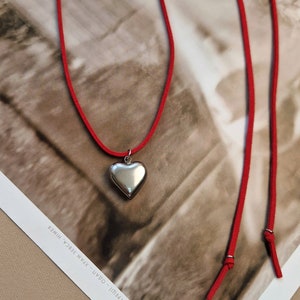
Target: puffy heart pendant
128	177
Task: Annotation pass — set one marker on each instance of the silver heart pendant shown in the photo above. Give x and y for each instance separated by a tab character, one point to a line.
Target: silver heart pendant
128	177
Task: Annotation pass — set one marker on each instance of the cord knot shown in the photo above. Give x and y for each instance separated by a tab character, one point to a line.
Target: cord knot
269	236
229	261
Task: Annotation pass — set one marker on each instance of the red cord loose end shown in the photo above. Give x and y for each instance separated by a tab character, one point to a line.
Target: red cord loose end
270	243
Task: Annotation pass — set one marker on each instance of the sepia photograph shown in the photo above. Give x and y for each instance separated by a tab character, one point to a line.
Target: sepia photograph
161	137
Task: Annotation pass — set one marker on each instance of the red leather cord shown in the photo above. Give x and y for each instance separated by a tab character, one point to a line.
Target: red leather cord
76	101
229	260
268	233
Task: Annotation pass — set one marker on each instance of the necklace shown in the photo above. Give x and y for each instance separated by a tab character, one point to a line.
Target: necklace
268	232
127	176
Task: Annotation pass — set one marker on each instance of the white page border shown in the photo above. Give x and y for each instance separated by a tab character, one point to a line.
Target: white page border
285	287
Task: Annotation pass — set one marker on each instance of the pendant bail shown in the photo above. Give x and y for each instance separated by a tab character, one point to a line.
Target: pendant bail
127	158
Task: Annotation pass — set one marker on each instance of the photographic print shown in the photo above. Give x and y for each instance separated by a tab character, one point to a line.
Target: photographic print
166	236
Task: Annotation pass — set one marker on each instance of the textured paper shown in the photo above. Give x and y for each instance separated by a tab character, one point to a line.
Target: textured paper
25	271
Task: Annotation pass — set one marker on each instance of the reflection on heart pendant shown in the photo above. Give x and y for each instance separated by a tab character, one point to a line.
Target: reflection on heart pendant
128	177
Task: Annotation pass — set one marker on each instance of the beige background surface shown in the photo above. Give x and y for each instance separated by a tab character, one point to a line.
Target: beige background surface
26	272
